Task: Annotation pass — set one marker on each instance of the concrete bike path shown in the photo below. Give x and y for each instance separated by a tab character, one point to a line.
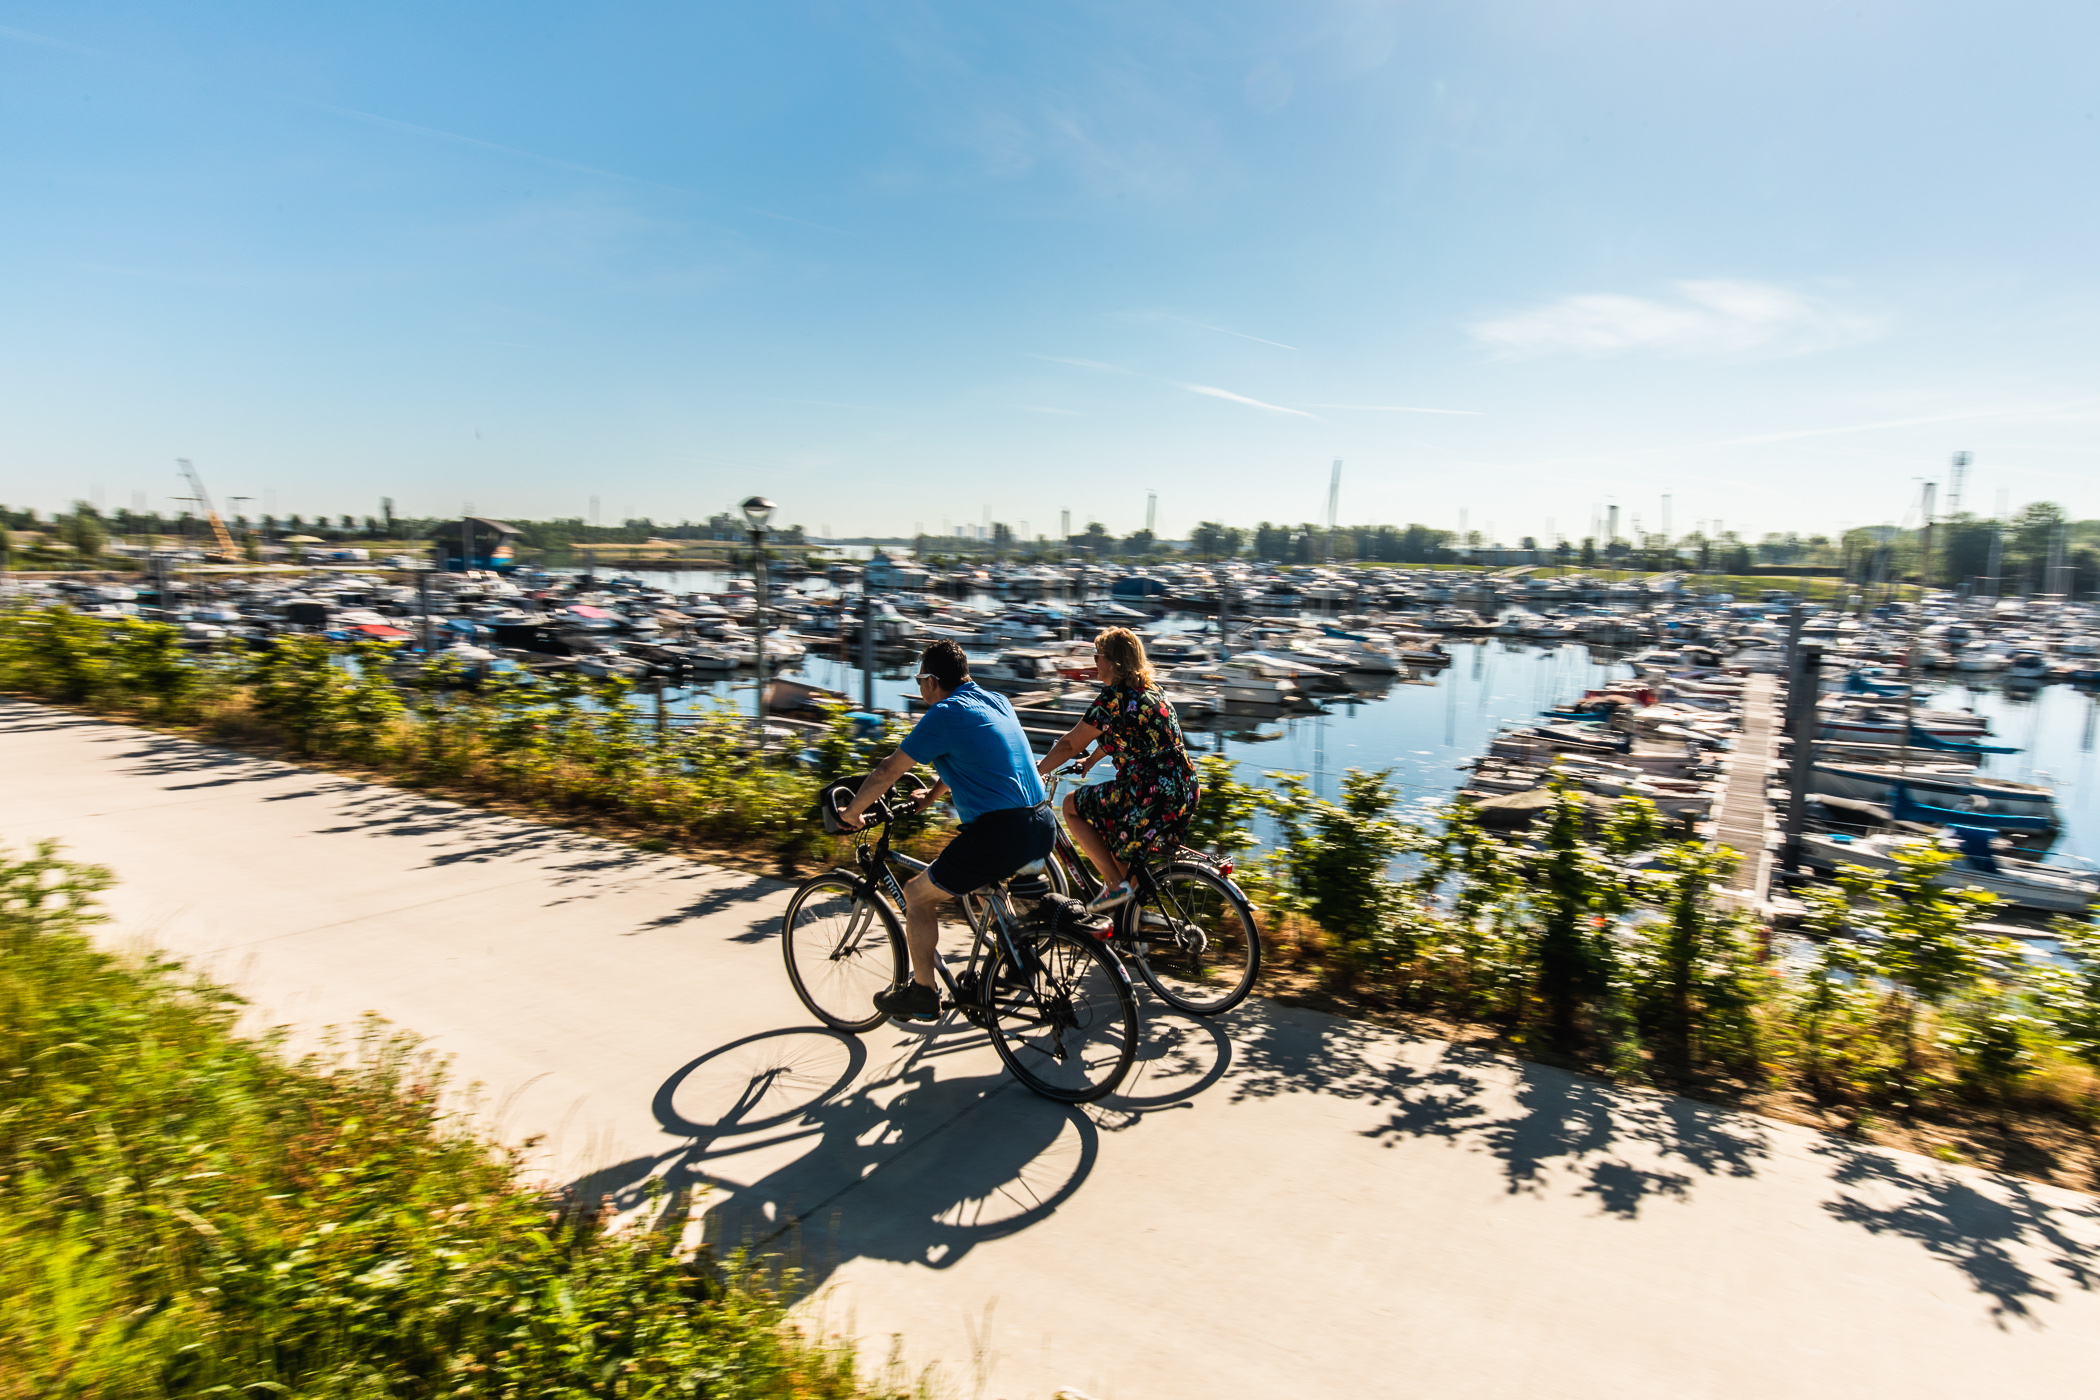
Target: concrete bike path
1284	1204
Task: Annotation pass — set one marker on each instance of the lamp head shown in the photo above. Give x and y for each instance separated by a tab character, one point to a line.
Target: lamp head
758	510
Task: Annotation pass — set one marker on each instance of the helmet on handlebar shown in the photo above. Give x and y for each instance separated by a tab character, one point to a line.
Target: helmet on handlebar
836	796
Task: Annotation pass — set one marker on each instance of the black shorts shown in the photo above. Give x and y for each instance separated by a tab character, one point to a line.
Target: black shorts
993	847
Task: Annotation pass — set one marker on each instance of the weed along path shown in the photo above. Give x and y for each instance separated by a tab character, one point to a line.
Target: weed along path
1284	1204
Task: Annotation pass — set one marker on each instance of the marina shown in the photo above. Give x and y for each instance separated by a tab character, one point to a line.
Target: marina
1477	684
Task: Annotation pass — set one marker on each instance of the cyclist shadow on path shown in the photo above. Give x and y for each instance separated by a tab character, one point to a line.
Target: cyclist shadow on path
911	1163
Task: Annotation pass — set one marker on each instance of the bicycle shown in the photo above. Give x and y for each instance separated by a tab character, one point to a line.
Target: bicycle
1190	930
1059	1010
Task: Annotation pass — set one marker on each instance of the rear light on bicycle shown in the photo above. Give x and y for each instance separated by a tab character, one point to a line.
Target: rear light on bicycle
1225	867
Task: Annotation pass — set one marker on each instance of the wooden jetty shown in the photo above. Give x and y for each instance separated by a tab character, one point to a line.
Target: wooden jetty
1744	823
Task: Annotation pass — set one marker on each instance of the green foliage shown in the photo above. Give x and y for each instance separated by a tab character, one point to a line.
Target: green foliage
1919	937
1635	825
1335	856
1479	958
186	1213
84	530
1224	821
2070	998
559	742
1575	894
1992	1036
1692	975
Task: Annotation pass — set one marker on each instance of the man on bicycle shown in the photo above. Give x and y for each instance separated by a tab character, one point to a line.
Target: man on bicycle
975	744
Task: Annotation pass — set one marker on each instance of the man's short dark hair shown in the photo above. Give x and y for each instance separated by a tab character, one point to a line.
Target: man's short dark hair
945	662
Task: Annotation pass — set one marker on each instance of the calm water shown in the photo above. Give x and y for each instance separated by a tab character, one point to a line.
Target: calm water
1423	729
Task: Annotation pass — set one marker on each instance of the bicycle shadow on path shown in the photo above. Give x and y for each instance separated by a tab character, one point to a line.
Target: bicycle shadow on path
915	1153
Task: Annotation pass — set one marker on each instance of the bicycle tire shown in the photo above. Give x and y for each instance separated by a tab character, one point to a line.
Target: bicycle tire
1194	939
1069	1028
842	945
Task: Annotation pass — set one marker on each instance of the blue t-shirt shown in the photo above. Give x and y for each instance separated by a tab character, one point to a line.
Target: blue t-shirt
974	742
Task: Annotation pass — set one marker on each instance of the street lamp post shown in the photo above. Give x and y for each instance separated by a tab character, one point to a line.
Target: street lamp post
759	512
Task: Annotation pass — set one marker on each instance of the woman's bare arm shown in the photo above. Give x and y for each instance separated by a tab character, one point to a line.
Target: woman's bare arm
1075	742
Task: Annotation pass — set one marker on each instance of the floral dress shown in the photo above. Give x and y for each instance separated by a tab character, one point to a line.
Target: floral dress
1146	808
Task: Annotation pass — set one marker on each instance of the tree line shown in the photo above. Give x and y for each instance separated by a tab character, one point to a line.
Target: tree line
86	531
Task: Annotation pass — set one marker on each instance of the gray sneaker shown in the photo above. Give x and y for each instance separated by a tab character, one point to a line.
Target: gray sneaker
1112	899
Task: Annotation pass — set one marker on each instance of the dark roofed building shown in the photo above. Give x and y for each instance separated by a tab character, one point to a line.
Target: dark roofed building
491	541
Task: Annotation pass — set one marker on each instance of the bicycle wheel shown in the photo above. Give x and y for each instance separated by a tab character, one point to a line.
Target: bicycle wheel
842	946
1068	1029
1194	940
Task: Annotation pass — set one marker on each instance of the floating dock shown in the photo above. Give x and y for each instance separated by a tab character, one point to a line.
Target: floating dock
1745	823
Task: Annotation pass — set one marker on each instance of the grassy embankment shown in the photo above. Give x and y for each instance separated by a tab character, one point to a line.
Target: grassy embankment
186	1212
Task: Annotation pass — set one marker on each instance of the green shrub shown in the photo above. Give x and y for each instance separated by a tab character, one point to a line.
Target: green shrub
1692	975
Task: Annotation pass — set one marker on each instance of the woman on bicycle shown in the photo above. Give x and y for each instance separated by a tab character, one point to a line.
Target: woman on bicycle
1146	808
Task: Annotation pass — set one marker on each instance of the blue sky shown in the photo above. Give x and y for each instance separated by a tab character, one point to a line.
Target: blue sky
905	264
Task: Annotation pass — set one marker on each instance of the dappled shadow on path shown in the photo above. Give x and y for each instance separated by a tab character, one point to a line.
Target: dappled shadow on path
733	891
1550	1130
28	717
2012	1246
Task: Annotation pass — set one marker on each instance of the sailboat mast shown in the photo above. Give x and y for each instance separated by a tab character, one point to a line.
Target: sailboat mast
1917	624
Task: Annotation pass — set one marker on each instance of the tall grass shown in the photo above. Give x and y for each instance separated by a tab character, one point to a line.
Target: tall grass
185	1212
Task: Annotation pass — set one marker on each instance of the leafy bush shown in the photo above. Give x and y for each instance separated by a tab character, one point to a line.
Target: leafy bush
1692	975
184	1212
1336	855
1224	819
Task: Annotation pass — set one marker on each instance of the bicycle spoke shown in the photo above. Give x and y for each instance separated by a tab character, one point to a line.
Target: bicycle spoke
1069	1031
1195	941
841	947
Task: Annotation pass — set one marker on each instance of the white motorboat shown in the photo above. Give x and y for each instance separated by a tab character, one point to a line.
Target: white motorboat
2052	889
1954	787
1233	680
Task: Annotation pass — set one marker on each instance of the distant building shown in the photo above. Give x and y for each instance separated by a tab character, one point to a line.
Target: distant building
491	542
1495	555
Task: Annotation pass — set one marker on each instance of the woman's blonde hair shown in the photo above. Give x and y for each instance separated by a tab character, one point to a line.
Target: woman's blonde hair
1120	647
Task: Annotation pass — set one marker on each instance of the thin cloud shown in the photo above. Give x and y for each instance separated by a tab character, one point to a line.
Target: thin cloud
1207	390
1225	330
833	403
1701	318
1792	435
1089	364
2015	411
1211	391
438	133
23	36
1398	408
